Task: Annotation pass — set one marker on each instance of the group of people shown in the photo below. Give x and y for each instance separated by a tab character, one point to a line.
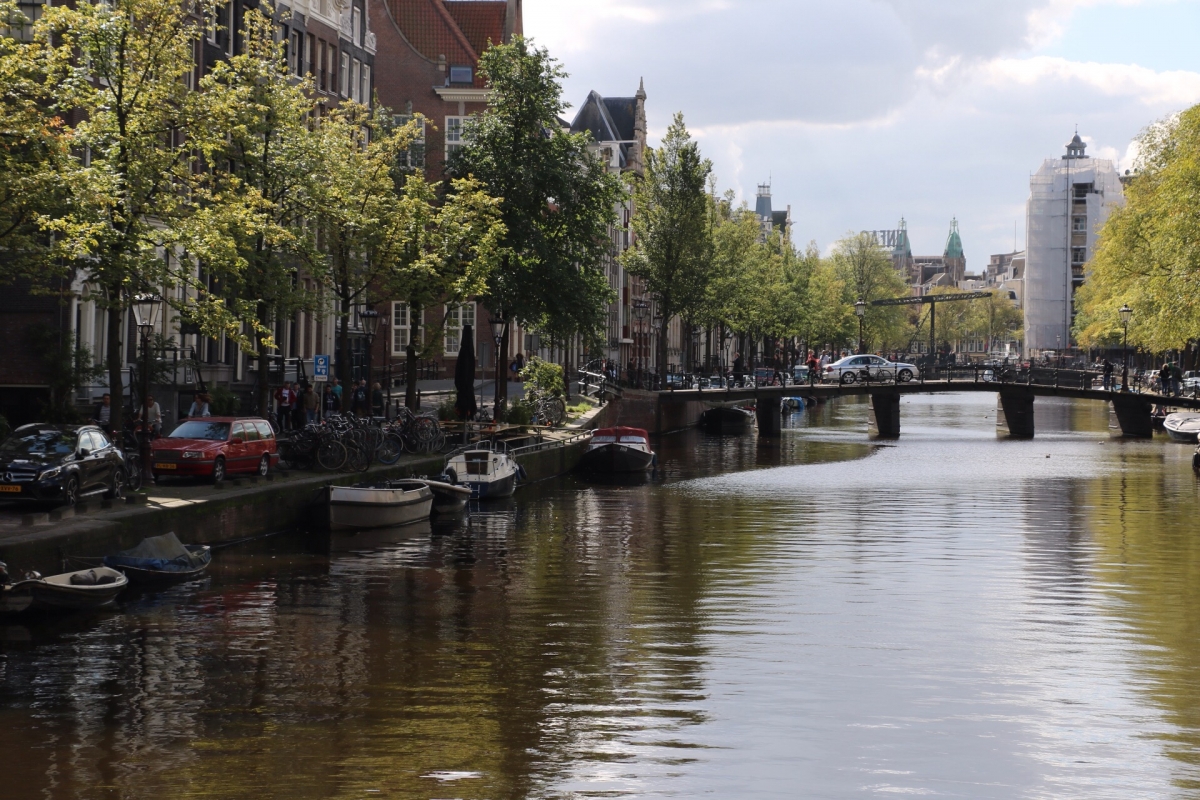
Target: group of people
1170	379
299	405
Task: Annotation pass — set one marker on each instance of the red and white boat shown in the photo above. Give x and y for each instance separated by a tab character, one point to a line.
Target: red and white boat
618	450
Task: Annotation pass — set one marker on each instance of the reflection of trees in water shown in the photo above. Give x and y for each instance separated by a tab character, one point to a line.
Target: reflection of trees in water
1143	522
1058	555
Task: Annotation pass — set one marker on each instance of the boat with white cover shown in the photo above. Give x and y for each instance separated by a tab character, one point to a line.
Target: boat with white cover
486	469
618	450
1183	426
381	506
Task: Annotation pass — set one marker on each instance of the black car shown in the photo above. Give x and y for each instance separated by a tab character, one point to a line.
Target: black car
59	463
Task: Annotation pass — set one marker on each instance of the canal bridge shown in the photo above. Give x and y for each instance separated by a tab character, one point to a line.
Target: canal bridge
1016	393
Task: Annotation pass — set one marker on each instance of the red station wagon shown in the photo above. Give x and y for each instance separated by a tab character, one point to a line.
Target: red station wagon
215	447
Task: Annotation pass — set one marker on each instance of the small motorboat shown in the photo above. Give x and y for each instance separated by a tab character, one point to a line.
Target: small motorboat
161	559
383	505
486	469
618	450
727	420
447	497
83	590
1183	426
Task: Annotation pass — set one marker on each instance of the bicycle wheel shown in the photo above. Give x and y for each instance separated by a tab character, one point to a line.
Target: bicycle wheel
390	449
331	455
133	473
556	411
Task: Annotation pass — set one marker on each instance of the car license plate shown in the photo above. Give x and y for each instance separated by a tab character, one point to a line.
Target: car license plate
164	466
13	489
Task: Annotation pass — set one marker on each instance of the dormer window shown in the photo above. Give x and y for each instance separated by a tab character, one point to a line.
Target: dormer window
461	75
355	25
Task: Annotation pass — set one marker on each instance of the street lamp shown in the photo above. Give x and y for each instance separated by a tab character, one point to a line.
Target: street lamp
860	311
368	318
1126	314
641	310
146	308
499	326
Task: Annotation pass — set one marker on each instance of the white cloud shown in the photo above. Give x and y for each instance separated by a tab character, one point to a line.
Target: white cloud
1149	87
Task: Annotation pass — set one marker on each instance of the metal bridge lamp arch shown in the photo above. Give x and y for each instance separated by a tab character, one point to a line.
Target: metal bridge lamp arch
1126	314
146	310
860	311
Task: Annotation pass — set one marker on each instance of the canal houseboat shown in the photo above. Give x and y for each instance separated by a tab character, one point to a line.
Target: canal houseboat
618	450
384	505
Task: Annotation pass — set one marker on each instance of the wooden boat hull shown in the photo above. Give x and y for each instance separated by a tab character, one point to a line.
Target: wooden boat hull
726	420
616	457
357	508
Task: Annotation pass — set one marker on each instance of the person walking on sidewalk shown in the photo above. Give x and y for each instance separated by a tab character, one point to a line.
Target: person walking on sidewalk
310	404
1108	375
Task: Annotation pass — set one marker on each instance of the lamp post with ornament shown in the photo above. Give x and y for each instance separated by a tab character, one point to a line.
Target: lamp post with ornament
1126	314
146	310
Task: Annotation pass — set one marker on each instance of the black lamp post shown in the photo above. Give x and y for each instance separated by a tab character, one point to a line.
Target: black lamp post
146	308
656	331
1126	314
368	318
860	311
640	310
499	326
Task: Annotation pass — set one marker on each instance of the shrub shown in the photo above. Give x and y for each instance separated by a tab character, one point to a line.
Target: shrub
446	411
519	413
223	403
542	378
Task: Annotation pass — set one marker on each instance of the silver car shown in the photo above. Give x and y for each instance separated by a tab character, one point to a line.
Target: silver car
853	369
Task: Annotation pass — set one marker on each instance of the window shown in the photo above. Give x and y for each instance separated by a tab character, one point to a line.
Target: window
456	317
355	24
321	47
295	53
230	28
1078	255
31	11
354	70
344	76
455	134
401	323
213	24
325	8
264	431
461	75
365	89
1079	224
309	53
414	158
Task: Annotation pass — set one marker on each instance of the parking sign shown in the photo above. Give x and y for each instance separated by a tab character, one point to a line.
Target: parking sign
320	368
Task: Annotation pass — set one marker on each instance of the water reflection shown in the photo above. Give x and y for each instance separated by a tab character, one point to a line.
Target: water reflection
817	616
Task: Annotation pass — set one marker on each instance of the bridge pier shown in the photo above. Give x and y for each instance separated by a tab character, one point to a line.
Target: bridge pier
769	411
1015	417
1134	415
885	422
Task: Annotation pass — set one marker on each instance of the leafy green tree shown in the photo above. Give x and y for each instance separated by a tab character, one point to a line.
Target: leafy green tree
1149	250
672	253
557	198
447	252
867	274
122	69
249	222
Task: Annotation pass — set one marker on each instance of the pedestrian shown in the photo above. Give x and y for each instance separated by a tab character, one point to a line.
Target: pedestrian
297	415
199	407
1108	375
283	399
102	414
814	368
311	402
630	371
739	369
1164	379
337	391
377	400
358	400
150	415
330	401
1176	379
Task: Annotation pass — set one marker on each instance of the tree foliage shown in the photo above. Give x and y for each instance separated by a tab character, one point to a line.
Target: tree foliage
1149	250
866	273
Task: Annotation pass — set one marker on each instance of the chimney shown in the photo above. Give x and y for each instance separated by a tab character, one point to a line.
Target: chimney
513	24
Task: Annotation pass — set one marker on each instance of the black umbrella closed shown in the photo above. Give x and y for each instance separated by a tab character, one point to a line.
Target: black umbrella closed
464	375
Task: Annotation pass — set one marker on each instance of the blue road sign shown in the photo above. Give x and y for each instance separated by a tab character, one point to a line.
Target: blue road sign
321	368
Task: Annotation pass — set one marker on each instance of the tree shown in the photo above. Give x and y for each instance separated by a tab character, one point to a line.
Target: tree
1149	251
557	198
122	69
672	253
868	275
448	252
250	219
359	207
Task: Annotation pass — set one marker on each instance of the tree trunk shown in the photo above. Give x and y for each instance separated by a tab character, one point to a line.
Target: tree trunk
410	354
662	349
343	359
502	358
264	377
113	357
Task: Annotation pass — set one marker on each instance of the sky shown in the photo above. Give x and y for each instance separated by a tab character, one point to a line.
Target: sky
861	112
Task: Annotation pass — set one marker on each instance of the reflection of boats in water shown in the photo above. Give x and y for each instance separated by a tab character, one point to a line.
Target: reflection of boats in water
616	450
161	559
1183	426
379	506
486	469
617	478
727	420
343	541
82	590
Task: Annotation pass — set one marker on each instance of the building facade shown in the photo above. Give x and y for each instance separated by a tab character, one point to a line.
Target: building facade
1069	200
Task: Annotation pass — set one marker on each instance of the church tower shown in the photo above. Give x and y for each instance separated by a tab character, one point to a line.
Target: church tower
953	257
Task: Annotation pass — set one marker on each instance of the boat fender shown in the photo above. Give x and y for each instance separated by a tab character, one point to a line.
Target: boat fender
521	472
654	460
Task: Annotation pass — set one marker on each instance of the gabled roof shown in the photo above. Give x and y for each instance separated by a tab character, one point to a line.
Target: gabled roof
481	21
432	31
596	117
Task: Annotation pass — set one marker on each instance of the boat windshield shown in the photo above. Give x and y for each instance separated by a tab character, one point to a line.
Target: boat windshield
195	429
603	439
632	440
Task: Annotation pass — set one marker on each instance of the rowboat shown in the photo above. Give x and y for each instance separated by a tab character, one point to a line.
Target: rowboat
726	420
82	590
381	506
618	450
1183	426
161	559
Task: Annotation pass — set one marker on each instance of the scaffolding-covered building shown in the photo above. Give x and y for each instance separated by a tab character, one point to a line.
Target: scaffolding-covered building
1069	200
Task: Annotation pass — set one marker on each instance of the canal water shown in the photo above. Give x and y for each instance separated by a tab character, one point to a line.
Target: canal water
948	616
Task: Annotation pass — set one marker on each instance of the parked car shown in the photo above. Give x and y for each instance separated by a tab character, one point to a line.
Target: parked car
216	447
60	463
1191	380
873	368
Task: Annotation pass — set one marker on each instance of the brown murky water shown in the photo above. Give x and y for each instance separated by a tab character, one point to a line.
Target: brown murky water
949	616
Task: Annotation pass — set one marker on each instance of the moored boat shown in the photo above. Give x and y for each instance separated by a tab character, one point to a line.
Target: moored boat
82	590
1183	426
487	470
726	420
161	559
447	497
381	506
618	450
